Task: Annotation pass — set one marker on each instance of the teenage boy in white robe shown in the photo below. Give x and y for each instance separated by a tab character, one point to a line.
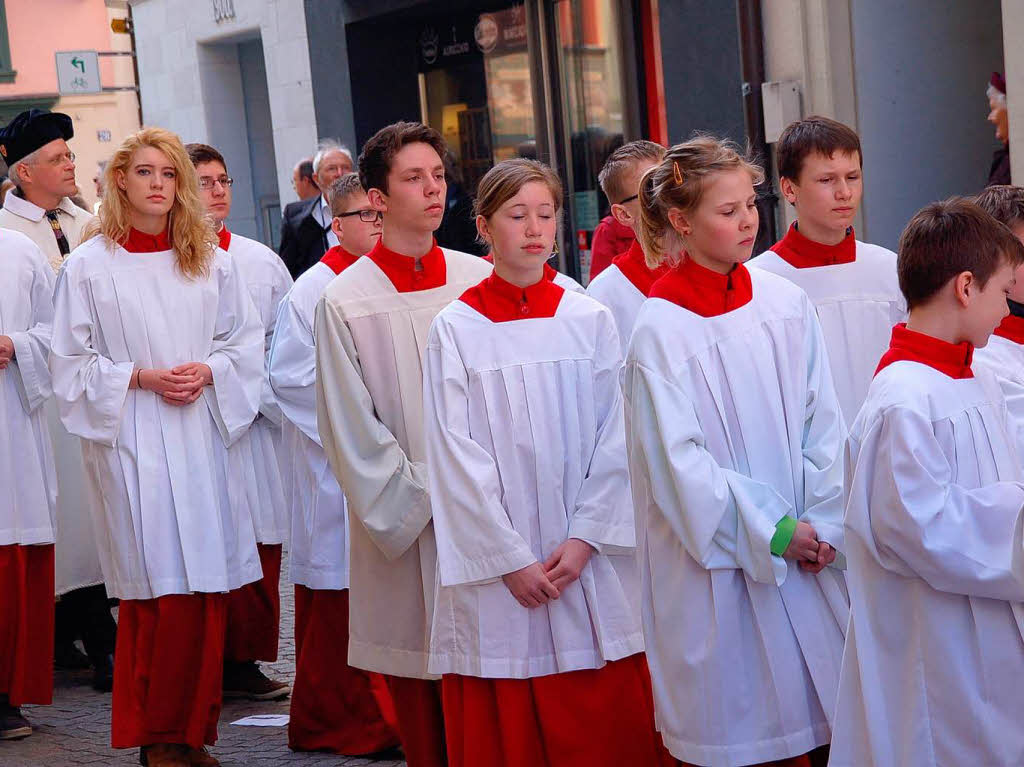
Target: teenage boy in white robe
852	284
371	330
625	284
254	611
28	483
334	706
535	629
933	672
157	363
735	445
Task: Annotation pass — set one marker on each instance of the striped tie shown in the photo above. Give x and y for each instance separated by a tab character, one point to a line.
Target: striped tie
62	241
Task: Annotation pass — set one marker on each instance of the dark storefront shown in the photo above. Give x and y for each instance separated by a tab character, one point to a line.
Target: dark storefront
563	81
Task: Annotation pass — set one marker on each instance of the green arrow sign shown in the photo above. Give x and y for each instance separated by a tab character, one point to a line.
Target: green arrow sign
78	63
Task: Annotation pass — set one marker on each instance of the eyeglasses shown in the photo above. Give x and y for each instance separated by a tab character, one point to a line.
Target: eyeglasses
61	158
366	216
209	183
629	199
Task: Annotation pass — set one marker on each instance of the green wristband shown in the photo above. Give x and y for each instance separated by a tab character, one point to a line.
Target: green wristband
784	530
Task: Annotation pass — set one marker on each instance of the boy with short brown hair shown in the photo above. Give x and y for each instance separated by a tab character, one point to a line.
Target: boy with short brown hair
852	284
934	520
626	282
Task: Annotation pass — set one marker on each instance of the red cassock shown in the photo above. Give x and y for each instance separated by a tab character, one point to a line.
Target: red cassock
26	623
335	707
168	670
420	719
574	719
254	612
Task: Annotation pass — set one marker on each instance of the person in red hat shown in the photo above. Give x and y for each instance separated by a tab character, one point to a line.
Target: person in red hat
999	172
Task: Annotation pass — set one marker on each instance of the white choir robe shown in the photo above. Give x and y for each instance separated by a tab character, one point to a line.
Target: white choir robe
526	448
28	481
566	282
857	304
258	454
318	550
934	667
370	340
614	290
160	504
733	423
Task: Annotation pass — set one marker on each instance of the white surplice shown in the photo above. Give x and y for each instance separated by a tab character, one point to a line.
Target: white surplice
370	340
934	668
857	305
566	282
733	423
163	520
28	481
258	454
318	550
526	448
614	290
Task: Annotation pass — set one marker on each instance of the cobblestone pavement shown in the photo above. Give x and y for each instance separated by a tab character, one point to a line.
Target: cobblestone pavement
75	730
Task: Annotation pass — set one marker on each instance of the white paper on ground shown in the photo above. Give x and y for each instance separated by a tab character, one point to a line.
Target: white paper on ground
264	720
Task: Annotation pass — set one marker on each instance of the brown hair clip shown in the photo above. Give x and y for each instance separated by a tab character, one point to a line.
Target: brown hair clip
676	172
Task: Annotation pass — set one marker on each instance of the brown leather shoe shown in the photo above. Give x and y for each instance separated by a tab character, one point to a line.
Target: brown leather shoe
200	757
246	680
164	755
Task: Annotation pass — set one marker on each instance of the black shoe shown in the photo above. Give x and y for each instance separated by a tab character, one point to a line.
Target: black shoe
103	674
245	680
13	726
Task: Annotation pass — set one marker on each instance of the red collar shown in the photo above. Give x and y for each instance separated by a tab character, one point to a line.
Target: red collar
952	359
224	236
549	271
338	259
702	290
803	253
501	301
140	242
1011	328
633	265
402	272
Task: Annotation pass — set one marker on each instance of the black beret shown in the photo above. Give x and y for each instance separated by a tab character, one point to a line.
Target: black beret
30	130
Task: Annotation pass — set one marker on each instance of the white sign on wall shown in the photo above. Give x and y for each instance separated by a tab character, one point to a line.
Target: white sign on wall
78	72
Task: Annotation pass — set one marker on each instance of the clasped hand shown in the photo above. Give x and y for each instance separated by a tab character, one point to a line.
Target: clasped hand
537	584
811	554
179	385
6	351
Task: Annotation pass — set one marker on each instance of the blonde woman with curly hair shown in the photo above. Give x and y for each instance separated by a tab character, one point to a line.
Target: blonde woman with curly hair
735	443
157	361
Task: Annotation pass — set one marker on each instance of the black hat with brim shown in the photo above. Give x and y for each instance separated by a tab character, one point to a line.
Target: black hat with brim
30	130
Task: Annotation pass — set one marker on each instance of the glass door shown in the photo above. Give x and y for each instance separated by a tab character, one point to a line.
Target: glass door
592	122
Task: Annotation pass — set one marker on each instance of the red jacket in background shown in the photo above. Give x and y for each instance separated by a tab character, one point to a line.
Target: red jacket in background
610	239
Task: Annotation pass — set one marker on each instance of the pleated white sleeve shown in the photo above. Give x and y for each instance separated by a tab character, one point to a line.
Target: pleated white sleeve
922	523
292	367
724	519
268	299
823	443
32	345
604	514
236	357
476	541
385	490
90	389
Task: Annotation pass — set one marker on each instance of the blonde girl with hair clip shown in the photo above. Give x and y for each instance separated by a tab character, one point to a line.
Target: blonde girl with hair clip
535	632
157	361
735	443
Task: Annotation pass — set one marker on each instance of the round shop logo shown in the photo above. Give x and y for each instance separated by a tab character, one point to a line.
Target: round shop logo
486	33
430	43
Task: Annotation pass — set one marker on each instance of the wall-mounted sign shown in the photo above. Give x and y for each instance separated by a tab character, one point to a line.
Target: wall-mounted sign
103	135
78	72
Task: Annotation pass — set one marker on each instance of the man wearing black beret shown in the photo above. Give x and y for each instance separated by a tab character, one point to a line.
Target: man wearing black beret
42	167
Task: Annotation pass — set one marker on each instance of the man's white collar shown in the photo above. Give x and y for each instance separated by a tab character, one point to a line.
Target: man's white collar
19	206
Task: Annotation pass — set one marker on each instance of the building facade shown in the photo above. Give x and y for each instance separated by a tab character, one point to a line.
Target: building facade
567	81
28	73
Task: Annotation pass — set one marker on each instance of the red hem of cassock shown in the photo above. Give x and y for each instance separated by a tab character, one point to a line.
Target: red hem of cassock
26	623
574	719
420	720
168	670
254	612
334	706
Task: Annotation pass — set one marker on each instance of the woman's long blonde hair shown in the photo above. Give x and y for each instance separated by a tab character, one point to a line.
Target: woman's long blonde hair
190	230
678	181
